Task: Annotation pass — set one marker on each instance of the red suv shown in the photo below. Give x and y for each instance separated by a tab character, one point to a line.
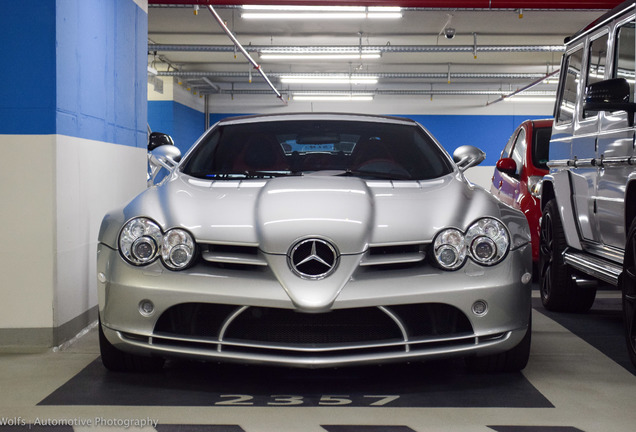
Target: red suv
521	165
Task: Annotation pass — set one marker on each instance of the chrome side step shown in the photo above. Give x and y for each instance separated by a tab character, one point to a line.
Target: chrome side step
597	267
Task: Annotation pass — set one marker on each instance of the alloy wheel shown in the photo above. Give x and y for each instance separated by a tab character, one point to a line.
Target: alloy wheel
629	295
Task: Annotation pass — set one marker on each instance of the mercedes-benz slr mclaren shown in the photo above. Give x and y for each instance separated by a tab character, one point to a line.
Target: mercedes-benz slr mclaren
314	240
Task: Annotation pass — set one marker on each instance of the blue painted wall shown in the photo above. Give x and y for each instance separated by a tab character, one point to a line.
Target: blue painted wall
161	117
27	92
489	133
184	124
89	80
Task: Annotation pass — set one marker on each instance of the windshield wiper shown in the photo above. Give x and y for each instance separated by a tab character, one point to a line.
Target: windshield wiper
249	174
377	175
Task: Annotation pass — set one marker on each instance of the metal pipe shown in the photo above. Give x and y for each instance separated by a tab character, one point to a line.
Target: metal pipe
335	49
210	83
433	92
523	89
206	101
387	75
244	52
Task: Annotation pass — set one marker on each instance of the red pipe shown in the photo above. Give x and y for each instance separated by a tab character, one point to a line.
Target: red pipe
442	4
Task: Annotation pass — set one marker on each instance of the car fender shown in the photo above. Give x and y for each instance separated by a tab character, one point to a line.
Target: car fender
558	185
630	200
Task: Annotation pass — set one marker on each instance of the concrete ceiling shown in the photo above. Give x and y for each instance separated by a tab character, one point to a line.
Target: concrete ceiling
514	47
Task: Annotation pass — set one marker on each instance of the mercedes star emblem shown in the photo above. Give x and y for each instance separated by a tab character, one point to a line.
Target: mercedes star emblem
313	258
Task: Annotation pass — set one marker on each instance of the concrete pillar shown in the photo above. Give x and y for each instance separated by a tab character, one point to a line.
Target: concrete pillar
73	120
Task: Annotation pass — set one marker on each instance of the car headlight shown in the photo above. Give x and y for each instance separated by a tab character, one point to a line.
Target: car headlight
450	249
489	241
486	242
177	249
139	241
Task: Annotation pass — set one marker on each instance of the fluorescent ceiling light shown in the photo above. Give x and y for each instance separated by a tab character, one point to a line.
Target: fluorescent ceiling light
297	8
333	97
304	15
334	79
529	99
320	12
320	54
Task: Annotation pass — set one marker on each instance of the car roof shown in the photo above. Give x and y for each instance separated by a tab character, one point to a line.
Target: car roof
602	20
316	116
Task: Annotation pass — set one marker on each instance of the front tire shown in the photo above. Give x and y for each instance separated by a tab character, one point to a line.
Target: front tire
628	289
559	293
119	361
513	360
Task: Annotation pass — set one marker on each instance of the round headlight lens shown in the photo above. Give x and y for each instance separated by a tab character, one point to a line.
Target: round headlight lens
483	248
449	249
447	256
489	241
144	249
139	241
177	250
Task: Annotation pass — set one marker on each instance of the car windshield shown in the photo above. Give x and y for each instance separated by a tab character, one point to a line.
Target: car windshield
351	148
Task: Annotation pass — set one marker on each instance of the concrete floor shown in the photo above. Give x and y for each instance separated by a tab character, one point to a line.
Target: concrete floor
578	379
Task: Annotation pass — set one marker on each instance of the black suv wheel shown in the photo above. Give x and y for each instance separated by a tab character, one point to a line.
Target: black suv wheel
558	290
628	287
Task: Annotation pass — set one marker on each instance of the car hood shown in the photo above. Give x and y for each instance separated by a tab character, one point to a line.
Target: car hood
350	213
273	214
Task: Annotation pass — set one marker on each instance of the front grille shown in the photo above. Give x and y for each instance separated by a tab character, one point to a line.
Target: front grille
194	320
342	332
389	257
232	256
290	327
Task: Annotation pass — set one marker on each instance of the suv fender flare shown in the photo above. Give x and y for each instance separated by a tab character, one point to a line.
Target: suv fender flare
630	201
558	186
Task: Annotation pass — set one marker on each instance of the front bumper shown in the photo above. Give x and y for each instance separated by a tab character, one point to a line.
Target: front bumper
399	297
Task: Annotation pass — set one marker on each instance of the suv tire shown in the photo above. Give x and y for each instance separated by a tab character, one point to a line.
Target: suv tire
119	361
628	288
559	293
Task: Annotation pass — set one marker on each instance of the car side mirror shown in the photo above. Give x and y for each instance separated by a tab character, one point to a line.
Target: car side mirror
166	156
468	156
158	139
507	166
610	95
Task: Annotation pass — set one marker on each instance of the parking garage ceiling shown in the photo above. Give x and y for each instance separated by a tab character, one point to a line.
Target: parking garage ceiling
496	48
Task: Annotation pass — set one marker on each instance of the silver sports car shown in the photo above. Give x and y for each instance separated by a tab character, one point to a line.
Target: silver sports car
314	240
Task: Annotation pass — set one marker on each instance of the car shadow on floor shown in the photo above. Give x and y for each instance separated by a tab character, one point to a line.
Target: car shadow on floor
185	383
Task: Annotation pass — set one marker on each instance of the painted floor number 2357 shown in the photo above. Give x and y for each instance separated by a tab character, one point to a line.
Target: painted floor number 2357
294	400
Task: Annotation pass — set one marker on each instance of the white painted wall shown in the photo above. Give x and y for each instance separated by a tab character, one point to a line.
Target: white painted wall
171	91
54	191
92	178
27	212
